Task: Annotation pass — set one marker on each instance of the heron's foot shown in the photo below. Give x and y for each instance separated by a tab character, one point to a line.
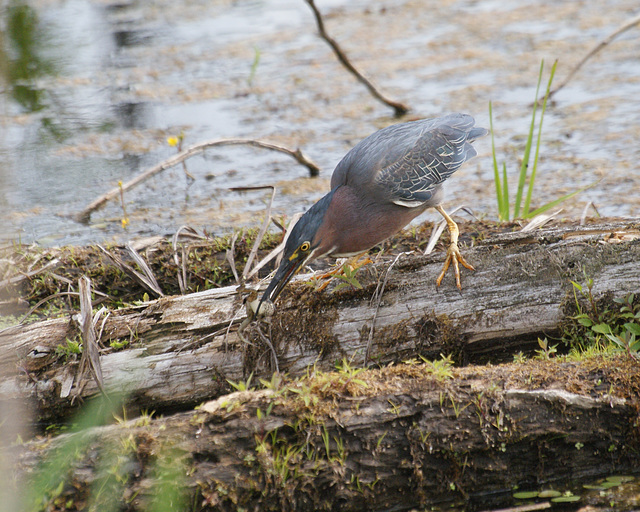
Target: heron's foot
347	269
454	256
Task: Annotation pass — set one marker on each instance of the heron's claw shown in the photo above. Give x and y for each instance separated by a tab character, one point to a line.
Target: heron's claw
454	256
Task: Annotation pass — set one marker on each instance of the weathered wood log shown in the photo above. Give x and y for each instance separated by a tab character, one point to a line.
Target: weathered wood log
181	353
404	436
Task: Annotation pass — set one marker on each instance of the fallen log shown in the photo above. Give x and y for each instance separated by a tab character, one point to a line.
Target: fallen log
407	435
181	350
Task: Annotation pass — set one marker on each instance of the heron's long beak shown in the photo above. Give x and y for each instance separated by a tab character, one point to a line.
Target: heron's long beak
285	272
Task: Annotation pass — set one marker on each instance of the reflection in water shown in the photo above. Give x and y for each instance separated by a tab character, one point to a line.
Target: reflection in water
131	114
23	46
24	63
124	38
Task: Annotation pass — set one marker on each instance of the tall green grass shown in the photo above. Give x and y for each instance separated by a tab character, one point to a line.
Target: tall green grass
522	204
113	458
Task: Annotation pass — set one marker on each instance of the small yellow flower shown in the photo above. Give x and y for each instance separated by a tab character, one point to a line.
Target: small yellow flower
172	141
125	222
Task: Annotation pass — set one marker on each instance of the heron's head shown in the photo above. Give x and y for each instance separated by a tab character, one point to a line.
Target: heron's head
304	244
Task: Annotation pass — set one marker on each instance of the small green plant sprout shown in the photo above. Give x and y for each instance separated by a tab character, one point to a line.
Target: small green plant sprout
306	394
72	348
628	340
262	415
394	409
441	369
629	310
275	384
519	357
242	385
546	351
348	374
254	65
118	345
522	209
347	276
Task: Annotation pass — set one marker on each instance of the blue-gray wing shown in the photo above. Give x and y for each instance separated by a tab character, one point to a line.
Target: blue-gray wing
439	151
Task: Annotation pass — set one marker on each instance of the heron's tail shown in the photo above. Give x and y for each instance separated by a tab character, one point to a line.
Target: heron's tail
476	133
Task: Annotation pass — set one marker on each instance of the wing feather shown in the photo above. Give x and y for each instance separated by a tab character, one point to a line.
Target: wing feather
437	153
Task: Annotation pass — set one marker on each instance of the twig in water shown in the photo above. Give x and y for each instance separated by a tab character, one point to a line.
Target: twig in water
400	109
84	215
599	46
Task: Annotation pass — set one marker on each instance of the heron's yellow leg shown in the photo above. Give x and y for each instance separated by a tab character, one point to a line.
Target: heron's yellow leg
353	263
453	252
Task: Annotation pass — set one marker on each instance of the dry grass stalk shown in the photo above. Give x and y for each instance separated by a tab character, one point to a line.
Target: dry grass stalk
90	358
148	281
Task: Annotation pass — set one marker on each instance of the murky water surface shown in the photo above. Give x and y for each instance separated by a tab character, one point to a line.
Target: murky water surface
92	89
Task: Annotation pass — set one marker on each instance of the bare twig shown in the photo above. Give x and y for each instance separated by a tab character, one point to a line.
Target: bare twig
270	345
196	149
599	46
231	258
540	220
54	263
583	217
278	250
263	228
181	264
40	302
529	507
377	298
399	108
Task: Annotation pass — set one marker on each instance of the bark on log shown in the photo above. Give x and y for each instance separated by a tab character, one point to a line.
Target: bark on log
179	356
394	438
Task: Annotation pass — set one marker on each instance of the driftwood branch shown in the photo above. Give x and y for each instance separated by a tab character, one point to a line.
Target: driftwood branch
599	46
399	437
182	350
400	109
196	149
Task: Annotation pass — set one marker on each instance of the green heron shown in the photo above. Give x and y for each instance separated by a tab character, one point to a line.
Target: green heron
380	186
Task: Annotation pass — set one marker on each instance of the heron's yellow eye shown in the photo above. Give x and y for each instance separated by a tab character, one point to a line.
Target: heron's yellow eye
305	246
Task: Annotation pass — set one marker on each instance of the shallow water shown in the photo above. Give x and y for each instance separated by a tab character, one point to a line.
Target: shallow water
94	88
